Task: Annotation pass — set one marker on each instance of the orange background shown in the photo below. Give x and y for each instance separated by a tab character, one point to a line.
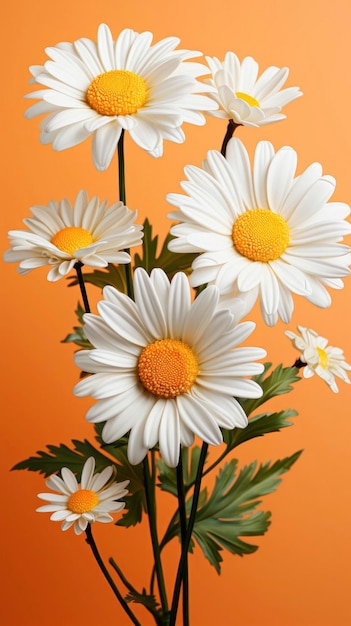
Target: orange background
300	574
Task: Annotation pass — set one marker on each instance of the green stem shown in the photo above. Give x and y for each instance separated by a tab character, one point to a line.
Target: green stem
182	518
121	575
151	510
78	267
122	197
231	128
90	540
185	546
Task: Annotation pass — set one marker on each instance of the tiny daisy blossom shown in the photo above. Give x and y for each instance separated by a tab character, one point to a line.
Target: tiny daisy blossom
103	88
321	359
165	368
244	98
81	504
263	233
60	235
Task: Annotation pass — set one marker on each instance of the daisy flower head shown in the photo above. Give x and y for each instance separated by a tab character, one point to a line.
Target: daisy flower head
325	361
60	235
92	500
244	98
263	233
102	88
166	368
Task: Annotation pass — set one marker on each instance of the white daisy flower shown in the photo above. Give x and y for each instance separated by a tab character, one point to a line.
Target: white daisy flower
264	233
81	504
164	368
321	359
60	235
104	87
244	98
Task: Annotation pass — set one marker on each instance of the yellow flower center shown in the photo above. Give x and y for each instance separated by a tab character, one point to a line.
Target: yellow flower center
247	98
167	368
261	235
117	92
71	239
82	501
323	358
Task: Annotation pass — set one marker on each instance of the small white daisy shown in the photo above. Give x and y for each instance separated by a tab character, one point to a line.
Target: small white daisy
81	504
244	98
164	368
321	359
60	235
263	233
102	88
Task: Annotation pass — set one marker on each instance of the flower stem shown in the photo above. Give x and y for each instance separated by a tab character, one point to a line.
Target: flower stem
78	267
231	128
90	540
151	510
185	546
182	518
122	197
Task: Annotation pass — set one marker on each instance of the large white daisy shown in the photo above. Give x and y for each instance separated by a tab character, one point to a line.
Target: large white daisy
164	368
243	97
325	361
264	233
81	504
60	235
104	87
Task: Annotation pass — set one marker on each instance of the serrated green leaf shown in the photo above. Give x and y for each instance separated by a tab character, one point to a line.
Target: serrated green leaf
135	500
230	511
278	382
258	426
170	262
60	456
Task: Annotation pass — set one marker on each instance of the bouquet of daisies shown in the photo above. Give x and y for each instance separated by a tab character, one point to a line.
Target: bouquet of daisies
165	355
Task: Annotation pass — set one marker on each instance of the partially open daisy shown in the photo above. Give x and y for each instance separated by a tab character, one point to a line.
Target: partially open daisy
60	235
104	87
92	500
244	98
165	368
263	233
325	361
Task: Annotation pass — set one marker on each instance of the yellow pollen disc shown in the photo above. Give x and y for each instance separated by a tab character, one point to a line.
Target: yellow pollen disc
323	358
261	235
248	99
117	92
167	368
71	239
82	501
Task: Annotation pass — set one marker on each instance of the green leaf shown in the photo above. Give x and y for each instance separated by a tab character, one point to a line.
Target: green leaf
135	500
57	457
278	382
78	336
229	513
170	262
113	275
258	426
